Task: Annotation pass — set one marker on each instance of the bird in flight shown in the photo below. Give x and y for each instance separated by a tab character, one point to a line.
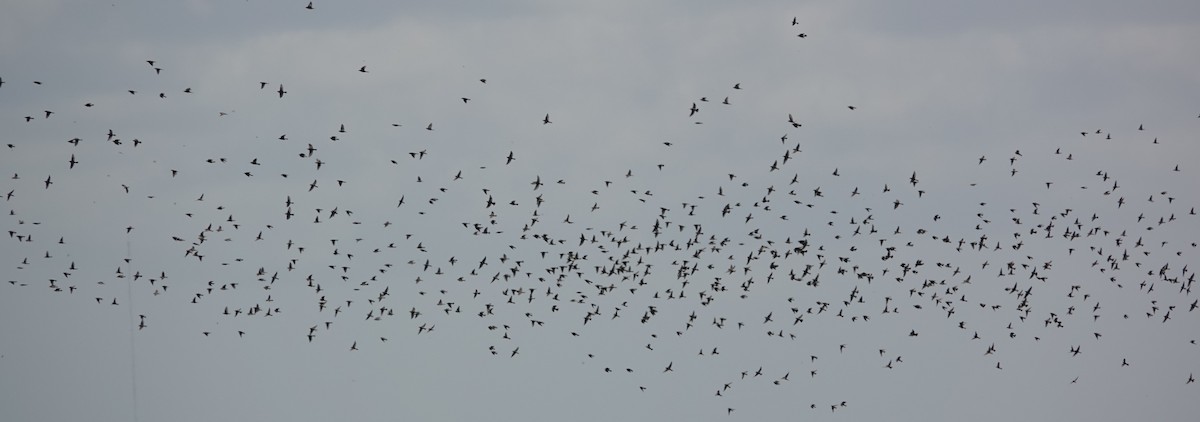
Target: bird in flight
792	121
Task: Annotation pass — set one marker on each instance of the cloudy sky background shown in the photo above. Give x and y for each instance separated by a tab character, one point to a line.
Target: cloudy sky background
935	86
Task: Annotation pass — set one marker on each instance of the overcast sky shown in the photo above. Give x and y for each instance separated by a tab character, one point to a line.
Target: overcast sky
866	209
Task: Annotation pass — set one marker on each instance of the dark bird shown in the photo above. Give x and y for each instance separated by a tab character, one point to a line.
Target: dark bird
792	121
281	91
546	120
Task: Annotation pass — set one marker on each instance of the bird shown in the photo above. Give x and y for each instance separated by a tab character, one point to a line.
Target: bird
546	120
793	121
281	91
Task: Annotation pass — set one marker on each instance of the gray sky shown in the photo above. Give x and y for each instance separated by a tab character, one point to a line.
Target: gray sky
1098	229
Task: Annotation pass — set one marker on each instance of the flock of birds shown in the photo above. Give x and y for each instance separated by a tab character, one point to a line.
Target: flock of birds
764	252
